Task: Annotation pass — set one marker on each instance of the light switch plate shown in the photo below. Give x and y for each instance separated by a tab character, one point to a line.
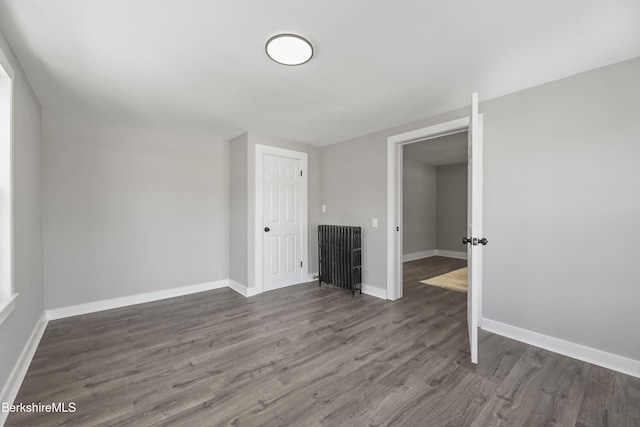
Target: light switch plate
374	222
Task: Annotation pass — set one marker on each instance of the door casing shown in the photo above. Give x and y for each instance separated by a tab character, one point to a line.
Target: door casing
394	197
260	150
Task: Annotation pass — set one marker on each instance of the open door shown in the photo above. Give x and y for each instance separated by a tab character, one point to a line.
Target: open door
474	239
473	125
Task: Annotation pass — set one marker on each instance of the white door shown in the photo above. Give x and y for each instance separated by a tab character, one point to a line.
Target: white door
282	211
474	226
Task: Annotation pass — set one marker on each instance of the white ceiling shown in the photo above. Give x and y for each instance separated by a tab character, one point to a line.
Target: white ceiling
445	150
200	65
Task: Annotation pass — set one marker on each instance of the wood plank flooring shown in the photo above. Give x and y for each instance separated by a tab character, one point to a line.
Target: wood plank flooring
316	356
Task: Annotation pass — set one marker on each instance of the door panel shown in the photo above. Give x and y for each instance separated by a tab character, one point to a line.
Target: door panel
273	243
274	202
282	209
290	203
290	253
474	226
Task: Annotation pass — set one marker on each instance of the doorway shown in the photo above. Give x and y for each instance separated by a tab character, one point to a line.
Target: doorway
474	238
435	212
281	218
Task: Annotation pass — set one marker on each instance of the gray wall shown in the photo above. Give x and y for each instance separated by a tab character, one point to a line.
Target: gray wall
419	207
561	206
434	207
130	210
354	182
16	329
560	169
451	206
238	209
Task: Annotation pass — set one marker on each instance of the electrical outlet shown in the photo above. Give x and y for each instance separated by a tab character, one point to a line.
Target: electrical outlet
324	208
374	222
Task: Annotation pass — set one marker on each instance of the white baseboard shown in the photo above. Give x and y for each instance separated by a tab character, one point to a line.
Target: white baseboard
249	292
374	292
108	304
239	288
434	252
7	305
418	255
451	254
566	348
242	289
12	386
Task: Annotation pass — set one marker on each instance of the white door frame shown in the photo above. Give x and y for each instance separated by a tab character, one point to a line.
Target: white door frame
259	200
7	249
394	194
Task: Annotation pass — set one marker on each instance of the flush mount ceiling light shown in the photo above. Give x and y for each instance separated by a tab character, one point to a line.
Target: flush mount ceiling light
289	49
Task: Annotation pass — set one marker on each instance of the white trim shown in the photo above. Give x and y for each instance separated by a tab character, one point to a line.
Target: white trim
238	287
260	150
433	252
108	304
241	289
451	254
7	305
429	132
394	237
7	290
12	386
418	255
6	65
374	292
394	194
566	348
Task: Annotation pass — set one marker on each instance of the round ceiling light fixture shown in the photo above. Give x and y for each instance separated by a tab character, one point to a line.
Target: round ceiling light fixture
289	49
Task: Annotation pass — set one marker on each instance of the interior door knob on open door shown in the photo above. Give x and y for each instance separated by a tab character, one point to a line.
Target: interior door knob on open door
475	241
267	229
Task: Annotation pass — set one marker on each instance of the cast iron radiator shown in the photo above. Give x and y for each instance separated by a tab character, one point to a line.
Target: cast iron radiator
340	256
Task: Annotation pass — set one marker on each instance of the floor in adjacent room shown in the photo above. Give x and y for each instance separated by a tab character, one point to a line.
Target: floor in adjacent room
309	355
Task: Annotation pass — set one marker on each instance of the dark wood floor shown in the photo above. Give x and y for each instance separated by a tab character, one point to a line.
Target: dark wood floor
312	356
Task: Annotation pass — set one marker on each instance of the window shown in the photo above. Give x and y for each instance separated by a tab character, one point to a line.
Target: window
7	295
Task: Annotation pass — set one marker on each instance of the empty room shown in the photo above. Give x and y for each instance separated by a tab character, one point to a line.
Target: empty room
434	211
327	214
